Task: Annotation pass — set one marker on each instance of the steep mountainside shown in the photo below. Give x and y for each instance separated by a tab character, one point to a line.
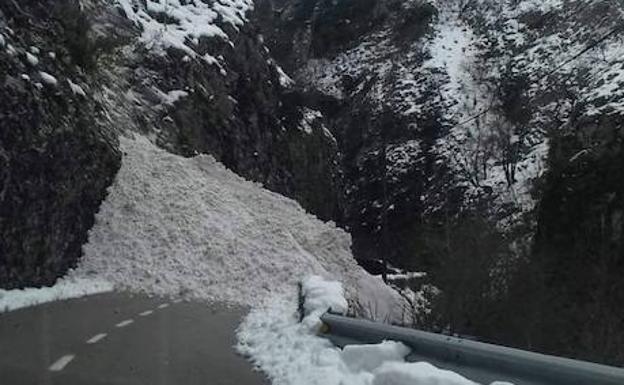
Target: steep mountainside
480	143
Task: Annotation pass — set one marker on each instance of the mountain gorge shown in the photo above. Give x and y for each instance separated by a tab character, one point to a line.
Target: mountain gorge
478	141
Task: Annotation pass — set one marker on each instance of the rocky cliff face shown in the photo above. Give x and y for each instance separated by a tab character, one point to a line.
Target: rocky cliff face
56	158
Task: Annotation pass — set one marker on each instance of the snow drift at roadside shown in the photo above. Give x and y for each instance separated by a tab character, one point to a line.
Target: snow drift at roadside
290	353
63	289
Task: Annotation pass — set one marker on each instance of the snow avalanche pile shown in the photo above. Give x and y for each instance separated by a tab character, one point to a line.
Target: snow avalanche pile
291	353
188	226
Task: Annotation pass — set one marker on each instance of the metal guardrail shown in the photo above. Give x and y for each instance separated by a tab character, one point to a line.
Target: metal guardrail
477	361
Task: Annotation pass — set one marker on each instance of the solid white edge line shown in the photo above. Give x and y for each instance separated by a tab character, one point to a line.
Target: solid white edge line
61	363
124	323
96	338
146	313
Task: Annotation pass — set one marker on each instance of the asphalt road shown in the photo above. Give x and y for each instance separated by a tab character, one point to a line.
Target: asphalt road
123	339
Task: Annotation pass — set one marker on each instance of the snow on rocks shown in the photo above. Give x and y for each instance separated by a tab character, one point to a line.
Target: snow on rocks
48	79
321	296
76	89
171	97
369	357
180	24
63	289
174	225
421	373
32	59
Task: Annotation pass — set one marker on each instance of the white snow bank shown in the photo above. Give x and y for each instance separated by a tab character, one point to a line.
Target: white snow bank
321	296
290	353
188	226
63	289
421	373
360	358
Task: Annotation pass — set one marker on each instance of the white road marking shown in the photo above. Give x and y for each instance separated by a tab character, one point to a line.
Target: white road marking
164	305
178	300
61	363
124	323
146	313
96	338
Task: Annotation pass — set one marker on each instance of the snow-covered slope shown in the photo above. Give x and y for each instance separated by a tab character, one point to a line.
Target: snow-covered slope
180	226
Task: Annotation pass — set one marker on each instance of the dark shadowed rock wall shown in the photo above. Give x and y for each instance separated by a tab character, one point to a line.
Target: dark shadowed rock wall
56	161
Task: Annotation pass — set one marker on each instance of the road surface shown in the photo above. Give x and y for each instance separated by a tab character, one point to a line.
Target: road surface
122	339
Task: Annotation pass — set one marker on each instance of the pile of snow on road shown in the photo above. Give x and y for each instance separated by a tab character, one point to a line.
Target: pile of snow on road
64	289
291	353
176	226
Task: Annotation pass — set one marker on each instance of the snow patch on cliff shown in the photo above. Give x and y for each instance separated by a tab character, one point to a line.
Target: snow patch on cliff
180	24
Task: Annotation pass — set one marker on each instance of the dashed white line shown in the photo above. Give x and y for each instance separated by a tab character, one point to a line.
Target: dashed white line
124	323
164	305
96	338
146	313
61	363
178	300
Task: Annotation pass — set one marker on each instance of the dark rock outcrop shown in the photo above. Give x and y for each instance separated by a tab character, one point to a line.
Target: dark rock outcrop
248	120
56	160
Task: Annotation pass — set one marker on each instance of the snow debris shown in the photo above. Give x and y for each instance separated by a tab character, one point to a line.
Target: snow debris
76	89
422	373
2	41
360	358
175	226
48	79
35	50
173	96
63	289
25	77
321	296
32	59
180	24
52	55
289	352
